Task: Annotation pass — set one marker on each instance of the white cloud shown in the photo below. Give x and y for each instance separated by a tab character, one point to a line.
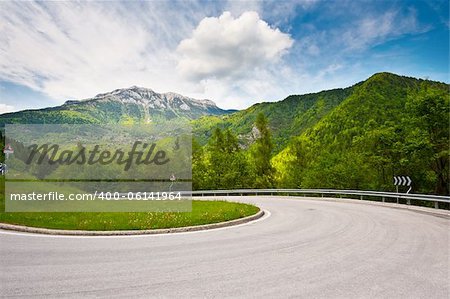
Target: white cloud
76	50
228	47
372	30
6	108
79	49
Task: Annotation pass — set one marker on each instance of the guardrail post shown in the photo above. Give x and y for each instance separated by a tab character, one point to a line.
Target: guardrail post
361	197
408	201
382	199
436	205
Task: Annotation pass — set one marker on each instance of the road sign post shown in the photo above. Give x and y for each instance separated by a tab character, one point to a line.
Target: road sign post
403	181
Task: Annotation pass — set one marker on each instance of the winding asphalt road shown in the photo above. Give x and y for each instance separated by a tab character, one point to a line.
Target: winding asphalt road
305	248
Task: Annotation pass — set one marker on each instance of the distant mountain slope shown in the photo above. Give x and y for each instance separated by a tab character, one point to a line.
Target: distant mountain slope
287	118
135	104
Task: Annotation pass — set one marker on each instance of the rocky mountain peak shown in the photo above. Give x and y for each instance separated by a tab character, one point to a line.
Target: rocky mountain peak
149	98
130	100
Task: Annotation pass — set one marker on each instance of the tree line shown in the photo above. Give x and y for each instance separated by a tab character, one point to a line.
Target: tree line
341	152
223	163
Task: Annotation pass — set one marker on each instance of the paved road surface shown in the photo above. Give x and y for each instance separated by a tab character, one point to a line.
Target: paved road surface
305	248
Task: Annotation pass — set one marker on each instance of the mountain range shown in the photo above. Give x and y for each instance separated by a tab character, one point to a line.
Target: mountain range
355	137
134	104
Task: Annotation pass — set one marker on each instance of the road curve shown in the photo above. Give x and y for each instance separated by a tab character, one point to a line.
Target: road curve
305	248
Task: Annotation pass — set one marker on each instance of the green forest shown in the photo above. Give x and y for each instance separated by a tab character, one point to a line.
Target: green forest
357	137
354	138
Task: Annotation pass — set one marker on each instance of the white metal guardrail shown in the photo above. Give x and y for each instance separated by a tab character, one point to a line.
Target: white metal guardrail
322	192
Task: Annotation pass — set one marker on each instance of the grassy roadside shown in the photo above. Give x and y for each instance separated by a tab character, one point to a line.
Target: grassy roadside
203	212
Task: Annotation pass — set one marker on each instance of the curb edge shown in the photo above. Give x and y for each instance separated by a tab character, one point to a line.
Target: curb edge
48	231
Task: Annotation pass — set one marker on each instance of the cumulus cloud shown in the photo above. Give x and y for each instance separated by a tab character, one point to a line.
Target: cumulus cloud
228	47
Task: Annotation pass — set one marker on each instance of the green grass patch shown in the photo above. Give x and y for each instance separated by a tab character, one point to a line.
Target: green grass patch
203	212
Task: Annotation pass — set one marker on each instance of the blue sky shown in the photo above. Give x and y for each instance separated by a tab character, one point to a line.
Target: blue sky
234	52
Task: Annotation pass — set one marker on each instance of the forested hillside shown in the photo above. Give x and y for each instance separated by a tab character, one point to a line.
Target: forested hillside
356	138
286	118
389	126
